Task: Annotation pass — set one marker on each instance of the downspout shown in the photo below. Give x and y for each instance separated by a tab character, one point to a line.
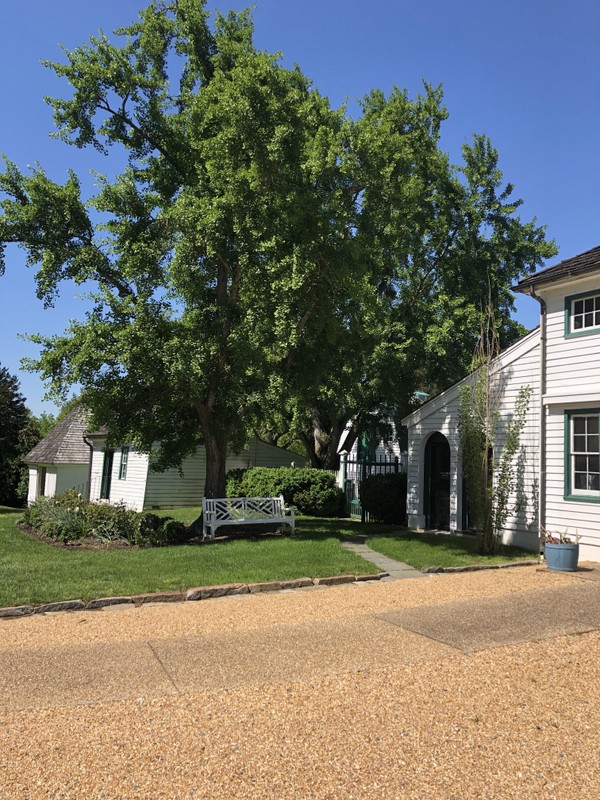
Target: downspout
542	429
89	482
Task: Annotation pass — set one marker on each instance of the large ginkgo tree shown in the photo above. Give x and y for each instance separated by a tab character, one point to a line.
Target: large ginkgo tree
262	260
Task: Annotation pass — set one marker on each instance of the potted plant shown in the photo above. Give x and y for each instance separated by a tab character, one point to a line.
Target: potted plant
561	550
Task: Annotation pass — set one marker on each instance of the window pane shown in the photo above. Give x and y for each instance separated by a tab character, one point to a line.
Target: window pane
578	307
597	318
592	424
580	463
577	323
589	320
592	444
579	444
579	425
593	482
580	480
593	463
589	304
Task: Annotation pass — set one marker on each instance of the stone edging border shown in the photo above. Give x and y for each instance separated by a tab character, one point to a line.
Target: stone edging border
198	593
479	567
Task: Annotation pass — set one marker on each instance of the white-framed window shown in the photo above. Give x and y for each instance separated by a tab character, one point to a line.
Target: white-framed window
583	313
583	474
123	463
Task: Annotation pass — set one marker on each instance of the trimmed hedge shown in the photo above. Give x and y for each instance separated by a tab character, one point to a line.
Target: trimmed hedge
312	491
70	518
383	497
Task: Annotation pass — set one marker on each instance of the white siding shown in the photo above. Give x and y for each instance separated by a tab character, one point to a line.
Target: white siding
572	363
170	489
261	454
59	478
50	488
442	420
128	492
72	476
96	472
519	366
32	488
572	382
578	517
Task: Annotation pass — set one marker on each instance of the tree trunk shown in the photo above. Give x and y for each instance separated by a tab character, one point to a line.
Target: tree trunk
323	439
215	446
216	462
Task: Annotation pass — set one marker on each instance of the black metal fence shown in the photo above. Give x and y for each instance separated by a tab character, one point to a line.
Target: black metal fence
354	472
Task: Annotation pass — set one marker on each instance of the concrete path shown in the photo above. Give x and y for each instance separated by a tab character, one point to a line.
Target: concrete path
397	569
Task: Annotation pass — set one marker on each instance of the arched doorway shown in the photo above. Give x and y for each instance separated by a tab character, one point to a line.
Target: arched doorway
437	483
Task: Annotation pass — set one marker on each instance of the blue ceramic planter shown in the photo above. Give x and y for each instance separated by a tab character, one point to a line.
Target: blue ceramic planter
562	557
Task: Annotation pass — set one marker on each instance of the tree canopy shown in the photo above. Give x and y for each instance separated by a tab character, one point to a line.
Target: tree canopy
263	261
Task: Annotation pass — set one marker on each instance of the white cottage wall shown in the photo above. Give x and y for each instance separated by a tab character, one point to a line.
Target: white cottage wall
128	491
572	384
442	420
32	489
72	476
50	483
518	366
570	358
171	489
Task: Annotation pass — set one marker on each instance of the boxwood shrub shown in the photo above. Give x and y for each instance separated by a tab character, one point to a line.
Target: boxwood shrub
312	491
383	497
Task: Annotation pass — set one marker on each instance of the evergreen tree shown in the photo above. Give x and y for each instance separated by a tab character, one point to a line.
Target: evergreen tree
14	438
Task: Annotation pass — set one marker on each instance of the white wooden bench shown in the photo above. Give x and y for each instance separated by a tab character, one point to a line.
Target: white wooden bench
217	512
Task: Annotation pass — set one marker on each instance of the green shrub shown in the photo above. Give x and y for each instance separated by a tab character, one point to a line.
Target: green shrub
235	483
383	497
312	491
69	517
61	517
111	523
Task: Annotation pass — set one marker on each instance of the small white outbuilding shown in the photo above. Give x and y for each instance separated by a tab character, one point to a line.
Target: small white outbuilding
61	460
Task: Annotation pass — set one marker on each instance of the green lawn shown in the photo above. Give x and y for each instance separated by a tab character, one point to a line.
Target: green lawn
439	550
34	572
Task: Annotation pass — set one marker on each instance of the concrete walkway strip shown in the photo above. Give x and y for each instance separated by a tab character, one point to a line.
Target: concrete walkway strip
472	625
397	569
64	676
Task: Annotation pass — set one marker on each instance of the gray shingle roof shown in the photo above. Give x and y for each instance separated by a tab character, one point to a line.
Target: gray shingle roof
570	267
64	444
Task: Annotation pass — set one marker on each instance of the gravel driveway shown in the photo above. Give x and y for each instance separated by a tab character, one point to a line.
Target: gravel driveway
475	685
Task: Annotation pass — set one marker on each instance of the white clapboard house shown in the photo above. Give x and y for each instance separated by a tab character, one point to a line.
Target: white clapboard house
558	466
71	457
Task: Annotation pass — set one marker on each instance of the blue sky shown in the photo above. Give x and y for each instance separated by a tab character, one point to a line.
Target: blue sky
524	72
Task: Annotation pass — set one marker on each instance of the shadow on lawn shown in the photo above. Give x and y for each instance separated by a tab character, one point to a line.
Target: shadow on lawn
313	528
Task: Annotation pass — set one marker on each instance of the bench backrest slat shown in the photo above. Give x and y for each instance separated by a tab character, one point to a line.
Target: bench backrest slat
243	508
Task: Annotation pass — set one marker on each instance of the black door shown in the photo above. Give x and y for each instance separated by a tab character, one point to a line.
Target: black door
106	475
437	482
